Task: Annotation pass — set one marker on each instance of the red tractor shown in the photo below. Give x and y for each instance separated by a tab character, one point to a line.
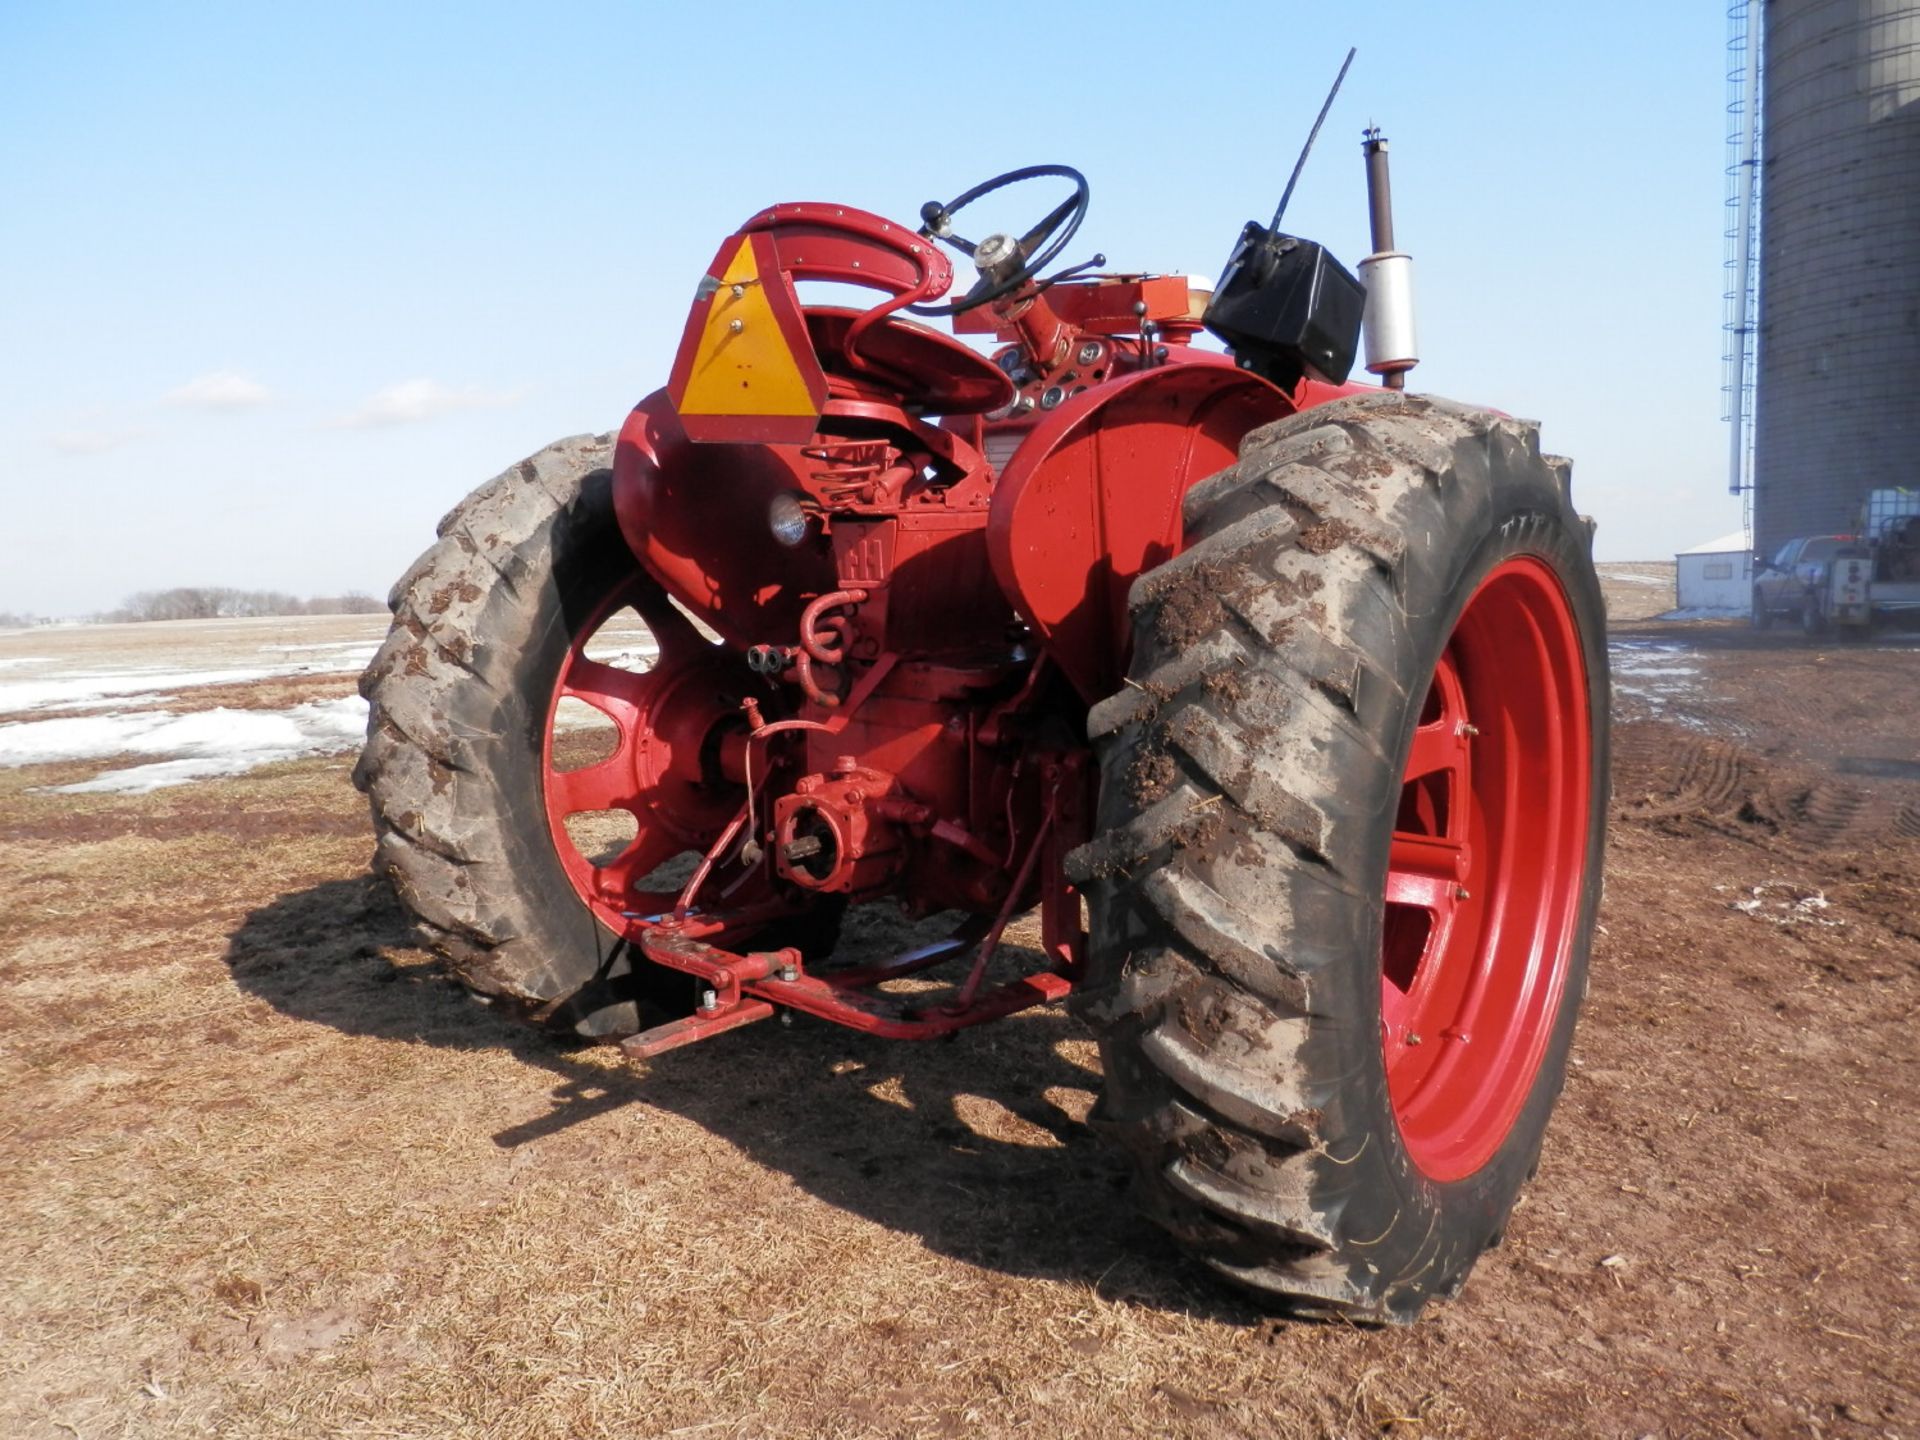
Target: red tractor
1282	699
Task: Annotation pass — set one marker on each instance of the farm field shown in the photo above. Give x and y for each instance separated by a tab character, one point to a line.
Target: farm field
266	1173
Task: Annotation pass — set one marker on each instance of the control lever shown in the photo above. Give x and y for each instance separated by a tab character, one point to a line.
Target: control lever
1098	262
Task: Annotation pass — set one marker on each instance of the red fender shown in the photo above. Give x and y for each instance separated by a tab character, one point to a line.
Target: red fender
696	517
1092	498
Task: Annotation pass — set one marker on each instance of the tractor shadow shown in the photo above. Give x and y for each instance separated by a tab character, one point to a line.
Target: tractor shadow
969	1144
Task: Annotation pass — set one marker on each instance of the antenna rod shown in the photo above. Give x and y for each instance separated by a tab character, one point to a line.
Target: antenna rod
1312	135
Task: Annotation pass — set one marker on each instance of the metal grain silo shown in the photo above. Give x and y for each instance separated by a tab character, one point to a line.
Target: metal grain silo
1837	409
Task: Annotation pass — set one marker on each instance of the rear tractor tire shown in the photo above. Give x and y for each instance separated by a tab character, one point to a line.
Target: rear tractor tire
465	764
1348	851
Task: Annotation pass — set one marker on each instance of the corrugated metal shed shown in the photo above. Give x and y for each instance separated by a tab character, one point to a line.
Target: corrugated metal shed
1716	575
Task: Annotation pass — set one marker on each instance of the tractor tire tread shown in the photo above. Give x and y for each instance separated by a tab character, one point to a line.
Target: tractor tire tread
1234	704
437	689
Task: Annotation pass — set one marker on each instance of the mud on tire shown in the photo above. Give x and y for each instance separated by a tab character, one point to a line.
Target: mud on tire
1250	774
458	695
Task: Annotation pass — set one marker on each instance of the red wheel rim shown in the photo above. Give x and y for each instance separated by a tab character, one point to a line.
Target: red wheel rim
1486	869
662	770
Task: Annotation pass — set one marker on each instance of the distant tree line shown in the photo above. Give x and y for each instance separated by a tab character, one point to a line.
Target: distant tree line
9	620
213	602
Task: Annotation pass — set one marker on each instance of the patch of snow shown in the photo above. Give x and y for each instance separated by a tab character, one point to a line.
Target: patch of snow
13	660
1631	654
79	687
1706	612
1782	902
321	645
82	687
1661	676
1627	577
567	719
639	659
145	779
199	746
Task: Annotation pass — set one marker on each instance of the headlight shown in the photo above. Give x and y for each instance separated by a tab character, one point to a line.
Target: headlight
787	519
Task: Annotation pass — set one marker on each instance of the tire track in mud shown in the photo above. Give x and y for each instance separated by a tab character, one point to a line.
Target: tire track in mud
1677	780
1826	812
1803	754
1689	756
1664	772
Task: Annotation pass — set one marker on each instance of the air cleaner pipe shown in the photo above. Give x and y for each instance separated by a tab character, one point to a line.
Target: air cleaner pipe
1379	191
1387	275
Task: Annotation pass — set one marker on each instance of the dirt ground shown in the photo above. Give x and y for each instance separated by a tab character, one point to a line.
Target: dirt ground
265	1173
1637	590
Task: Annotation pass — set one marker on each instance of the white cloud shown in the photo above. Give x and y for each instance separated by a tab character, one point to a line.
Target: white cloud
90	442
411	401
220	390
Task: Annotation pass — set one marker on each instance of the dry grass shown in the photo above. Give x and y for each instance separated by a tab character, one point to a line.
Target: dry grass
1637	589
266	1174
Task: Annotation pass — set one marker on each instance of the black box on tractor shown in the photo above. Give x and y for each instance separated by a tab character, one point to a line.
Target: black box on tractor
1287	308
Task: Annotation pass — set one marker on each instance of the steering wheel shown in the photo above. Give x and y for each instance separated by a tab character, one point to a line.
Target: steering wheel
1005	263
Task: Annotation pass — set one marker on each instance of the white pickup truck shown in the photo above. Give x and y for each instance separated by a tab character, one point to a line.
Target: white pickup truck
1848	583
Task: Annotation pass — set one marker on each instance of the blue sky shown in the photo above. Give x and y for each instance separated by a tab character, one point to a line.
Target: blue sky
278	284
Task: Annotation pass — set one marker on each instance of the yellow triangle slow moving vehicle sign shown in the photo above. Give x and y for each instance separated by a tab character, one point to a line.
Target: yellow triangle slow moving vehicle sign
746	371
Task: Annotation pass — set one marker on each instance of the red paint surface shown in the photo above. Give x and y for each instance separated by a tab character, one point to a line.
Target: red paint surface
933	641
1485	871
1092	499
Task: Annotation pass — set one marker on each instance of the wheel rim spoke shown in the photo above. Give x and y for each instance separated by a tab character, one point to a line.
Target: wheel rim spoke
620	695
607	785
1438	749
1426	871
655	771
1441	745
617	780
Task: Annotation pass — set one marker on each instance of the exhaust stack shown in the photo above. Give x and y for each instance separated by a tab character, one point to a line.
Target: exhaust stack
1387	275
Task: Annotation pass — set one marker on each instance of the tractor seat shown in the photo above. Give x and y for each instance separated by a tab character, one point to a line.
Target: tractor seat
936	374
